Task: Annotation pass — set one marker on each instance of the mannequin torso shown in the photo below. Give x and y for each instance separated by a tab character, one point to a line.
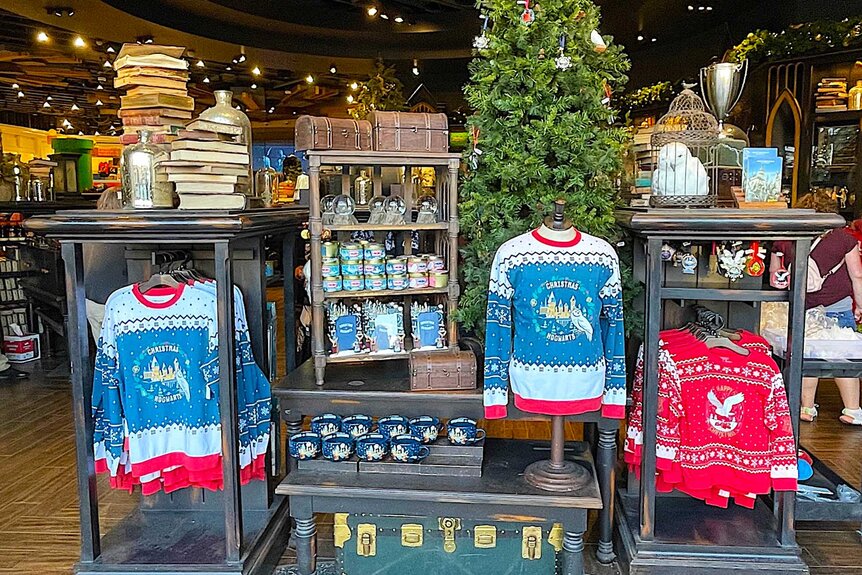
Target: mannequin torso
566	235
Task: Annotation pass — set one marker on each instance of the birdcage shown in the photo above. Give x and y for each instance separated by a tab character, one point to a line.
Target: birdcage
684	159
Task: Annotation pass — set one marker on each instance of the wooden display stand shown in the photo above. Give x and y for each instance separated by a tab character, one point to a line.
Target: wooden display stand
670	535
241	530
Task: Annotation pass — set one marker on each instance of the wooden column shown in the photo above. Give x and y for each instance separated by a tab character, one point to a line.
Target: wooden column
315	226
454	288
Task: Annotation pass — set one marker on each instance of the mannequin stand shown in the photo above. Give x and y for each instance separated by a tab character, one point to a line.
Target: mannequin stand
557	474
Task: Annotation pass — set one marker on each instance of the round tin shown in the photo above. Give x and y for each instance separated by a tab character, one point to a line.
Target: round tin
375	282
332	284
352	267
351	251
417	265
354	283
436	264
438	279
330	268
329	249
418	281
397	282
374	251
374	267
396	266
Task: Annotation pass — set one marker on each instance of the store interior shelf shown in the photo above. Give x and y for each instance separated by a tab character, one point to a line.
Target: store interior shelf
363	358
387	227
832	367
842	117
807	510
723	294
354	158
386	293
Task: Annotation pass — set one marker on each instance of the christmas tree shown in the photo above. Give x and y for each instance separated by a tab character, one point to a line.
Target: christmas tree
540	87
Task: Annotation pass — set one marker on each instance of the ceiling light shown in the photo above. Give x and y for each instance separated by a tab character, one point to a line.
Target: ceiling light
67	123
49	98
15	86
107	64
333	69
384	16
99	87
206	80
640	37
652	39
399	19
144	39
42	37
239	59
690	7
79	42
350	98
99	103
354	85
20	94
309	79
74	107
372	10
228	68
709	8
415	67
200	64
80	133
254	86
271	110
96	133
700	8
46	105
110	50
255	71
237	107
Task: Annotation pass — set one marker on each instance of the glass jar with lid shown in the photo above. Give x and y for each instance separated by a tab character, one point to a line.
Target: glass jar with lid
142	187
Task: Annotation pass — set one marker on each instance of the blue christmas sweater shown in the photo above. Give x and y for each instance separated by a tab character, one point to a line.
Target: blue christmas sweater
155	391
563	300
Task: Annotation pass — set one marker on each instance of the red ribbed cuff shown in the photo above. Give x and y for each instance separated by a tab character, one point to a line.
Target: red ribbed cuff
495	411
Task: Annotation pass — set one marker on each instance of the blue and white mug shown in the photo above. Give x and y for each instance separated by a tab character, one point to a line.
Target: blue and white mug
304	445
425	427
371	446
337	446
326	424
393	425
356	425
463	431
408	449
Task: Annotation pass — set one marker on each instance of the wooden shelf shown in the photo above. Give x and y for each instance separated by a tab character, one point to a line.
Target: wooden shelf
385	293
387	227
365	357
842	117
354	158
723	294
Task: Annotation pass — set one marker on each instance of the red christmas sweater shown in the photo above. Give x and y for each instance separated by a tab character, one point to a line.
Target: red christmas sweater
723	423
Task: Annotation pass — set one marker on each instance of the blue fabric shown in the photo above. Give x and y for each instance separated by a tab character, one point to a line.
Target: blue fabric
845	318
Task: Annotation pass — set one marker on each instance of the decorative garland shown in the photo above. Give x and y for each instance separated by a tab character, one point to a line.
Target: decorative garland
798	40
658	93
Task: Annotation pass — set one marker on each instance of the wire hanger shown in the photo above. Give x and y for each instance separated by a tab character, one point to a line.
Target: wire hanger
707	328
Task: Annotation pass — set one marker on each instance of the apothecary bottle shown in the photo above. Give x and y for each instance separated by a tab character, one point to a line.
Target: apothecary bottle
143	188
224	113
266	182
855	99
362	188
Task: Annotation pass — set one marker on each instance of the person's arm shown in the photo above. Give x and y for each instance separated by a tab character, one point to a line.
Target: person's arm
854	269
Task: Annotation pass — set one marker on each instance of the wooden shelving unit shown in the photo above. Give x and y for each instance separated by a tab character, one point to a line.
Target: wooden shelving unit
445	240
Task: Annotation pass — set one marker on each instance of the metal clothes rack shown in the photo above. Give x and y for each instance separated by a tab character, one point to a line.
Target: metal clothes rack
243	529
669	535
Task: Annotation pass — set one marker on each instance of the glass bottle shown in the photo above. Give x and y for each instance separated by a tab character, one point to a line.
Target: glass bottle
20	181
362	187
854	102
142	188
224	113
266	182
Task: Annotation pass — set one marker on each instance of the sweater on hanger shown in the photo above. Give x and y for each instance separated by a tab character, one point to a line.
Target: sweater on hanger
554	328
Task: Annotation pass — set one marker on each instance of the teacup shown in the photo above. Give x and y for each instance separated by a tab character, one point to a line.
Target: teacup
356	425
326	424
305	445
463	431
425	427
408	449
337	446
371	446
393	425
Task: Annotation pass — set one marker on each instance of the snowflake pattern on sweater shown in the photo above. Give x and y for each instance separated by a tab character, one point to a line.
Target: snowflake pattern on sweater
554	328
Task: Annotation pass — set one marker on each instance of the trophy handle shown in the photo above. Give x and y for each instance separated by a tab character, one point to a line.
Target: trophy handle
703	92
744	67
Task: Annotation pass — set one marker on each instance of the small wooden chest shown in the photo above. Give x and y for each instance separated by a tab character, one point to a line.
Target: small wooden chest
319	133
442	370
410	132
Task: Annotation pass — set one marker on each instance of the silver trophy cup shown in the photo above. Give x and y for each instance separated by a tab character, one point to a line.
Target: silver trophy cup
721	85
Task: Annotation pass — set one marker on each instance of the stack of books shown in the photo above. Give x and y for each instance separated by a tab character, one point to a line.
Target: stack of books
642	189
831	95
207	162
155	80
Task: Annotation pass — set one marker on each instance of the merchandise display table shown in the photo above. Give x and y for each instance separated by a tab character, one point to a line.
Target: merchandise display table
501	494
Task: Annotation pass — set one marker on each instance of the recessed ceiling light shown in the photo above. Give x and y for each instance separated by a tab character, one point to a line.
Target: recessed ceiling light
99	87
96	133
652	39
228	68
99	103
271	110
110	50
107	64
20	94
254	86
372	10
384	16
709	8
15	86
640	37
690	7
399	19
42	37
700	8
309	79
46	105
49	98
333	69
80	133
200	64
255	71
75	107
206	80
415	67
79	42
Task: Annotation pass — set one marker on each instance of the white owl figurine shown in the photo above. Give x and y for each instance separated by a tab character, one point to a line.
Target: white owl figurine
679	173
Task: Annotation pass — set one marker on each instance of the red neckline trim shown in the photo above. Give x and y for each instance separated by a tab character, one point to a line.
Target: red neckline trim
574	241
175	293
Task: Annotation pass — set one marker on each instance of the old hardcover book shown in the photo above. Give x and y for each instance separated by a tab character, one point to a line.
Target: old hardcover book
151	82
135	49
204	188
164	112
197	167
172	130
133	138
208	126
202	178
218	157
212	202
158	101
147	90
151	61
210	146
153	120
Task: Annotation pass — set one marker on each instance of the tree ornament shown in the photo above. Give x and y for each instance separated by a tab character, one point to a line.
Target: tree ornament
481	41
527	16
608	92
474	155
580	15
731	261
562	61
755	266
541	53
598	42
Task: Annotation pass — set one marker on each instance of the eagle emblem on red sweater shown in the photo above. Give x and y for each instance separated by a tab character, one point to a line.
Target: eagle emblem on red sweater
724	415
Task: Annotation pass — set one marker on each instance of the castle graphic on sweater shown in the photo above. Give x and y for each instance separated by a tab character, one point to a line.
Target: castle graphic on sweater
554	328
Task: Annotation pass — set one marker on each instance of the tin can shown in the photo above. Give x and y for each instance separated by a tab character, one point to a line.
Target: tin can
330	268
374	267
354	283
374	251
375	282
418	281
329	249
396	266
351	251
332	284
397	281
438	279
352	267
436	264
417	265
